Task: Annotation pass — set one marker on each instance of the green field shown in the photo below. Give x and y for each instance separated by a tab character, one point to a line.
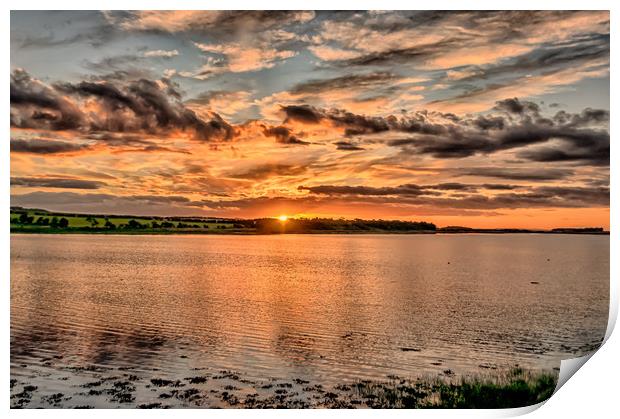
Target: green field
99	223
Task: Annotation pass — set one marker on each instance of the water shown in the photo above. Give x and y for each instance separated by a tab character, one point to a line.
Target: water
328	309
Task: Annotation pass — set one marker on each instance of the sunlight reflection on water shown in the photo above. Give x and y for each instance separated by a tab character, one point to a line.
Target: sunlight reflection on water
329	308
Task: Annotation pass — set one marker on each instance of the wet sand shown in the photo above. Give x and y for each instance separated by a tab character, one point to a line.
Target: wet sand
100	387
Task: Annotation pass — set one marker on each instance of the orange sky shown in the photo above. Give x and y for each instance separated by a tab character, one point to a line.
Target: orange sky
480	119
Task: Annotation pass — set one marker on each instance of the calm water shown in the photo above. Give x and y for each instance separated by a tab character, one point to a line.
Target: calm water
328	309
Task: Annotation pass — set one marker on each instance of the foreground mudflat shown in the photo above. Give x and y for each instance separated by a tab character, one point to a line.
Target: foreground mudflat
96	387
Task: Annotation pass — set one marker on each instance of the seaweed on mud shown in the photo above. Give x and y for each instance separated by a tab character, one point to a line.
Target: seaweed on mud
150	406
92	384
54	399
197	380
160	382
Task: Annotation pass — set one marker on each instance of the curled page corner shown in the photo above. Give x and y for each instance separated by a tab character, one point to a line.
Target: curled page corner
568	368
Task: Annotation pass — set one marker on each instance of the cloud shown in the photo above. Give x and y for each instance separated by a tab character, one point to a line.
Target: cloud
514	105
596	155
98	203
211	22
402	190
327	53
46	106
487	55
543	196
161	53
478	98
241	58
243	40
38	146
474	37
283	135
302	113
347	146
546	58
517	173
447	136
145	106
224	102
406	190
264	171
50	182
349	81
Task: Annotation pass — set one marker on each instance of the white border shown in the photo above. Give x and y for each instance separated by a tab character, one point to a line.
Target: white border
591	392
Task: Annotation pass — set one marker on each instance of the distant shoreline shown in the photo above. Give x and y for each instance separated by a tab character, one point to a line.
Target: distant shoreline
40	221
240	232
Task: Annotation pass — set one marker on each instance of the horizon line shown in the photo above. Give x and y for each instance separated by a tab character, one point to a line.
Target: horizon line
289	218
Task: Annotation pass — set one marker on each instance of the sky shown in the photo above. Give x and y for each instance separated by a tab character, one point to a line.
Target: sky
468	118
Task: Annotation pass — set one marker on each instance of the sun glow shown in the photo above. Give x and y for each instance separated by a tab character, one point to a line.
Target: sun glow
283	218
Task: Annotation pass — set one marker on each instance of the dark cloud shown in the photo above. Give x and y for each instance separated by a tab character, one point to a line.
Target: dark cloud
401	190
302	113
516	106
486	122
580	145
283	135
500	186
34	105
403	55
548	58
351	81
355	124
147	106
406	190
38	146
519	125
347	146
586	117
98	203
516	173
265	171
593	155
415	195
49	182
153	148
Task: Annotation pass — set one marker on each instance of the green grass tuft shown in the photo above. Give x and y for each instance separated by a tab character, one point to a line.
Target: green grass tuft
514	388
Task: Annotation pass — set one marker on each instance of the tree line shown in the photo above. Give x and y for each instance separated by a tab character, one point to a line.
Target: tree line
304	225
26	219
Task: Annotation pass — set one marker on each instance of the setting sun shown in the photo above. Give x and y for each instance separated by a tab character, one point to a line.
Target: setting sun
283	218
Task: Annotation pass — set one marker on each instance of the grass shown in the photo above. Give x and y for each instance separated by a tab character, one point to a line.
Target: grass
143	231
83	222
515	388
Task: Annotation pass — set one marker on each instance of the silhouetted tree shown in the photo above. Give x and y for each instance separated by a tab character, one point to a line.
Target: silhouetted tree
25	219
134	224
92	220
63	223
